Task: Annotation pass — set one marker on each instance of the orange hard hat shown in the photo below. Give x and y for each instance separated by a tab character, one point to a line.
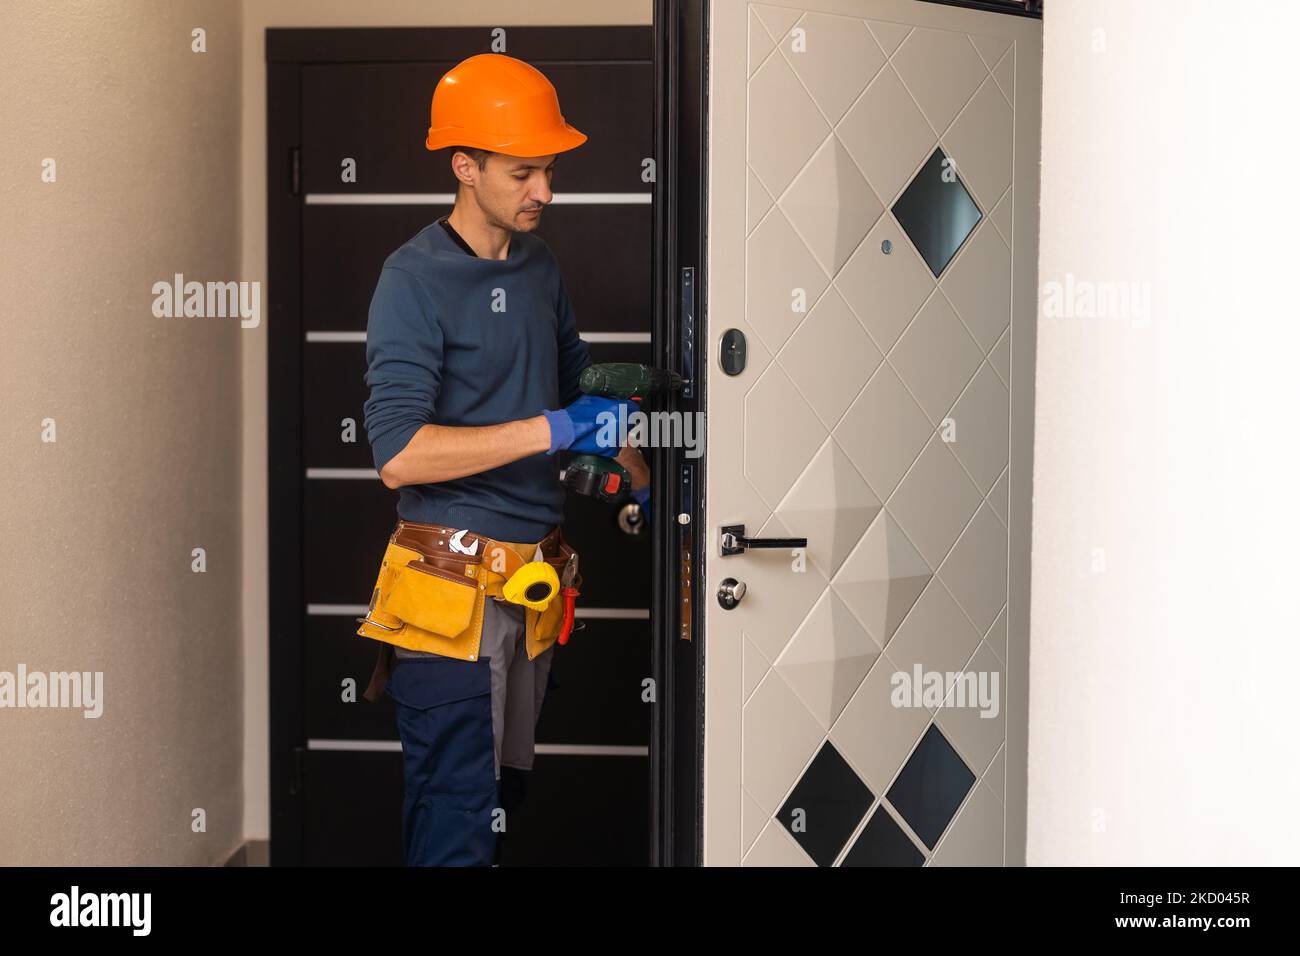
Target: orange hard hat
501	104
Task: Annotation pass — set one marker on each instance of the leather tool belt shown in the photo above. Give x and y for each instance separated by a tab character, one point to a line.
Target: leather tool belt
432	587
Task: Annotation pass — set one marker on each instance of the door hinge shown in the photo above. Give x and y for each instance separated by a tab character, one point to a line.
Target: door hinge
295	171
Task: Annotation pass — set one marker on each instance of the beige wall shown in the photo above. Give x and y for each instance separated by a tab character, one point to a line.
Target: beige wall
258	16
98	527
1164	625
161	423
1163	616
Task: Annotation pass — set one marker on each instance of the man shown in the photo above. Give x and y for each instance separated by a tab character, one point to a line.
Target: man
473	361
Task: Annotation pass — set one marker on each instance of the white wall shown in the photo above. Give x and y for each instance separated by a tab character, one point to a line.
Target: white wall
1161	687
258	16
97	527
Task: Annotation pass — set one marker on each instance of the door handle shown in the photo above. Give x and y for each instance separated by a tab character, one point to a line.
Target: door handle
735	542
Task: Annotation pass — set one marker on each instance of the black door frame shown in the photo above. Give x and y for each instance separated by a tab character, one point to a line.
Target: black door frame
1015	8
677	722
288	50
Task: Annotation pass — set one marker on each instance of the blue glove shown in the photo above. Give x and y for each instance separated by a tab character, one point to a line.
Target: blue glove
590	444
578	426
642	497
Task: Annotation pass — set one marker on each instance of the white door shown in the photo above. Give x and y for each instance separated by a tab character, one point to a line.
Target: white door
872	231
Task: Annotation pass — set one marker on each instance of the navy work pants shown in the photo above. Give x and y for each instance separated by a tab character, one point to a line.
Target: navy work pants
467	741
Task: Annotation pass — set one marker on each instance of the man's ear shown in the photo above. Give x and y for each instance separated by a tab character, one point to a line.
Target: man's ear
464	168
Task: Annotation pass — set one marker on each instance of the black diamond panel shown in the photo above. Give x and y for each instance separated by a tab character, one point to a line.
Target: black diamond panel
936	212
825	806
883	843
931	787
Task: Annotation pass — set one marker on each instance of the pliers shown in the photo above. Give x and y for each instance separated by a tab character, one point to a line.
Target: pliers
568	588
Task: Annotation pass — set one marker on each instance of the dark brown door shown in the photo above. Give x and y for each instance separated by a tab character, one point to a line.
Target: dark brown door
363	95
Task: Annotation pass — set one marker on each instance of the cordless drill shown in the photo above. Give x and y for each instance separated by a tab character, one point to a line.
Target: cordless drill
596	475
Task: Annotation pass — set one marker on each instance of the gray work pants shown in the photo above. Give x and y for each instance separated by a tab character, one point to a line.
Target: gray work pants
518	684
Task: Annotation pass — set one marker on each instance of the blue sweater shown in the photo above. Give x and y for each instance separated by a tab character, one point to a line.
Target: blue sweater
454	339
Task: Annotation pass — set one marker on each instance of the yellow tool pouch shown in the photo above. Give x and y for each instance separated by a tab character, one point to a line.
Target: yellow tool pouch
425	608
433	600
543	627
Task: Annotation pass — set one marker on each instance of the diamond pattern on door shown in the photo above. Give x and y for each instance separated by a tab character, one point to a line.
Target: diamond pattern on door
934	501
825	806
996	638
976	570
779	738
774	457
776	20
998	498
754	667
757	202
1005	75
880	322
827	658
873	734
785	125
936	357
1001	217
979	420
994	777
884	289
937	212
830	379
990	48
835	57
979	286
753	819
942	70
760	42
1000	358
888	35
975	838
784	279
883	431
975	730
936	636
831	506
831	205
981	138
775	848
883	843
931	787
882	578
888	161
